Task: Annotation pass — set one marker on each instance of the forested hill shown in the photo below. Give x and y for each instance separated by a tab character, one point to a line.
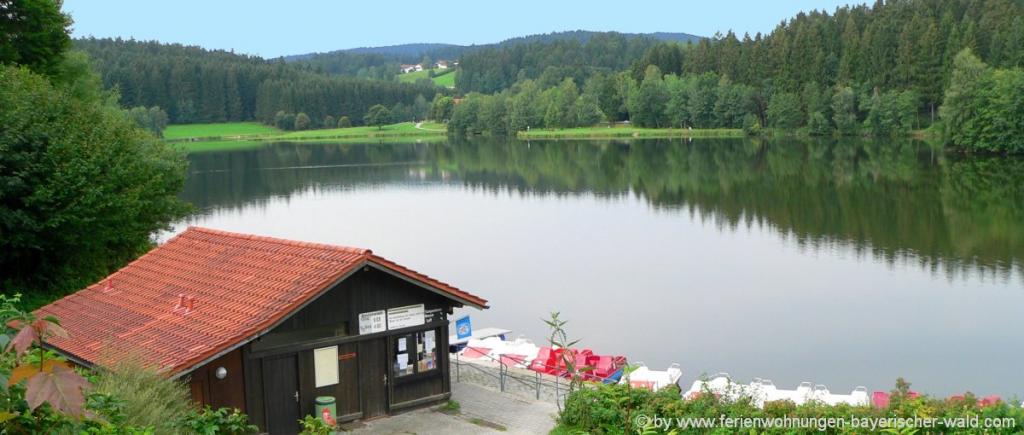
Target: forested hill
896	45
493	68
382	62
198	85
884	69
402	52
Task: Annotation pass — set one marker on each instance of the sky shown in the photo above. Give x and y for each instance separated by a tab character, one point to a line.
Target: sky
277	28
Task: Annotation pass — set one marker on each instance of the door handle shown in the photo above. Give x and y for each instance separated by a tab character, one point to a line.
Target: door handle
385	379
296	397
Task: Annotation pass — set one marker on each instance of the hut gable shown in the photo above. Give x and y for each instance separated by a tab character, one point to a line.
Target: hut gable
207	292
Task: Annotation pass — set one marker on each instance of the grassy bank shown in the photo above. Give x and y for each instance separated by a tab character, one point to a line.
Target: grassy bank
239	135
219	130
625	131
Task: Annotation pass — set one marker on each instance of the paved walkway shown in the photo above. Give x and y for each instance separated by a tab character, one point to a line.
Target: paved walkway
419	125
484	411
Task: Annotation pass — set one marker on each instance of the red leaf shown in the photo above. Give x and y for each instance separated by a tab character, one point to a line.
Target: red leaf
25	338
47	327
62	389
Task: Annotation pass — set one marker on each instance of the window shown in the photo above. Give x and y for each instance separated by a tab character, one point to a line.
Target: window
415	353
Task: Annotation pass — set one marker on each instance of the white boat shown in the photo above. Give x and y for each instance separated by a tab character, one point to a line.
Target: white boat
482	349
764	390
654	380
799	396
857	397
516	353
720	384
520	353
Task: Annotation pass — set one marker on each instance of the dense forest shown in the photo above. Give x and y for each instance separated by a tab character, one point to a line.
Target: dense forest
196	85
880	69
383	62
492	69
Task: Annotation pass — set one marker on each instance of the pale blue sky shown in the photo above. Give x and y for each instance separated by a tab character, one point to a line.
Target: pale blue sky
274	28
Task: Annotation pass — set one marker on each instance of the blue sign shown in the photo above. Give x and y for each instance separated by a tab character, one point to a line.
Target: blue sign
463	328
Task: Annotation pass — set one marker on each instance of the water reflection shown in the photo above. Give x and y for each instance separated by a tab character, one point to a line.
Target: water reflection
844	263
901	202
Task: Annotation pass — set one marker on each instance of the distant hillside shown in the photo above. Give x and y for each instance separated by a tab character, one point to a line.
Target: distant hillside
584	36
378	62
195	85
415	51
403	52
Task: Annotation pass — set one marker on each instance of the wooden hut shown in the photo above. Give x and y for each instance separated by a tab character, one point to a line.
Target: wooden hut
267	325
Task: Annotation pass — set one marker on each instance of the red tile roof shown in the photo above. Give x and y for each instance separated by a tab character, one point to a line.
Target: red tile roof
243	285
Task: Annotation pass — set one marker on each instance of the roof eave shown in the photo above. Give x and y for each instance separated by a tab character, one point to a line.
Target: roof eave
425	285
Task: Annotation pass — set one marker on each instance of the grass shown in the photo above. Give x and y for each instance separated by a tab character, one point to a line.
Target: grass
451	407
190	131
150	399
488	424
400	132
445	78
600	132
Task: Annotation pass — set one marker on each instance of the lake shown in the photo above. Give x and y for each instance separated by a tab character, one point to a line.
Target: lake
845	264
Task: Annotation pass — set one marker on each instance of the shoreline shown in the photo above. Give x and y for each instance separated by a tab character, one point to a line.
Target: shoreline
629	132
398	132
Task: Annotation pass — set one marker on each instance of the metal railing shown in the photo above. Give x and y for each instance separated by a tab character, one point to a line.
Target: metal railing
536	382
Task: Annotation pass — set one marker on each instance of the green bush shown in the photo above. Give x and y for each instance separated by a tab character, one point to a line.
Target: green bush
84	189
150	399
314	426
222	421
612	409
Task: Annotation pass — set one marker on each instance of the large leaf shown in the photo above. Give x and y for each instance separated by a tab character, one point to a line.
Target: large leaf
25	338
62	388
49	326
26	371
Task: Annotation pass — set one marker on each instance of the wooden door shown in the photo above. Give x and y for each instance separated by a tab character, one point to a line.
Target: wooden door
373	376
281	394
349	403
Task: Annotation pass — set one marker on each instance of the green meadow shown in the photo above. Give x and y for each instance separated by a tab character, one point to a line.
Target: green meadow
193	131
445	78
241	135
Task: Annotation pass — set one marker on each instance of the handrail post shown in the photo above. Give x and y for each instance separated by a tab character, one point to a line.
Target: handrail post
537	377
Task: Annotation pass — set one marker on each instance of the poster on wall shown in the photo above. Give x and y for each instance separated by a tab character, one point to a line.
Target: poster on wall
373	321
404	317
325	366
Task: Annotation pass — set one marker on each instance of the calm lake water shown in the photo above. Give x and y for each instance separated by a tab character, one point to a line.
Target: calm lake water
838	263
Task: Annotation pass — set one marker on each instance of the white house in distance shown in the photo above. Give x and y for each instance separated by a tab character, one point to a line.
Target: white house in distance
411	68
441	64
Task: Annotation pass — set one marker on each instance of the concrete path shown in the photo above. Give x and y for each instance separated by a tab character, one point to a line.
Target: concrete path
419	125
484	411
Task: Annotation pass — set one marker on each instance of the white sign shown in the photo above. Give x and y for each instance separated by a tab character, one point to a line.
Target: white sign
372	322
404	317
325	366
